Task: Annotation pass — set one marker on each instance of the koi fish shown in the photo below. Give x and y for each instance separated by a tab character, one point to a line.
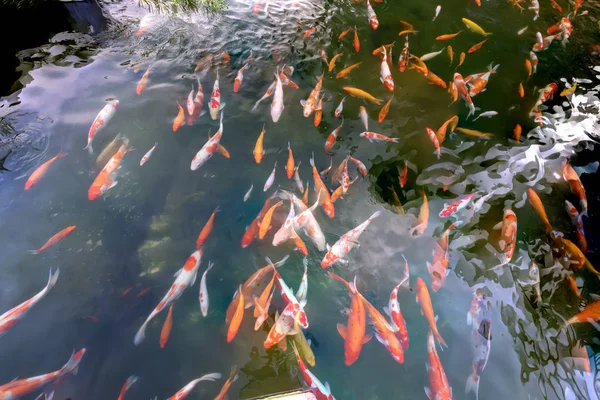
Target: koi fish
253	228
331	64
463	92
346	242
404	56
487	114
320	390
393	310
576	219
409	28
232	378
434	140
377	137
385	75
429	56
450	54
141	85
9	319
344	73
203	294
455	206
306	221
179	120
538	207
344	33
517	132
331	139
577	257
403	175
214	106
277	104
438	269
185	391
339	108
476	47
265	224
361	94
126	386
534	274
462	59
424	299
384	332
591	312
248	193
267	94
197	104
209	148
19	388
165	332
508	235
528	67
185	277
572	179
297	178
478	84
310	104
148	154
439	388
103	117
236	320
420	225
448	36
437	12
109	151
288	296
41	171
373	21
384	110
480	318
270	179
472	132
206	230
360	165
309	31
535	6
55	239
262	304
570	90
356	41
258	147
354	334
441	132
322	191
521	90
318	112
473	27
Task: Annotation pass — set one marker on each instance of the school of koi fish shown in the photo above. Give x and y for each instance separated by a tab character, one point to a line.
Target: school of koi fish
290	215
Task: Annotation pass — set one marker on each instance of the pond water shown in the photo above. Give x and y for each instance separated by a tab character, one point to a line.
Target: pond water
119	262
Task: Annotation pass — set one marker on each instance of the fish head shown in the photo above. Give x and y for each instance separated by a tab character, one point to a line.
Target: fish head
329	209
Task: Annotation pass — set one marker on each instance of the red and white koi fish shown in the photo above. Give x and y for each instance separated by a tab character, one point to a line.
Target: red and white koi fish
106	178
340	108
147	155
508	236
439	388
385	76
354	334
435	141
461	86
393	309
203	295
22	387
198	103
438	268
456	206
310	104
404	56
545	95
373	21
100	122
479	318
360	165
320	390
331	139
377	137
239	78
214	106
185	391
283	326
277	104
564	26
209	148
185	277
126	386
12	317
40	171
289	297
535	6
270	179
424	299
547	41
268	93
478	84
347	242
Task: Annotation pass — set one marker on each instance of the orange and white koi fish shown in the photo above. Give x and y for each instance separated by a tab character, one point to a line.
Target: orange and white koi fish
439	388
185	277
347	242
356	40
239	78
262	305
373	21
106	178
476	46
393	309
535	6
179	120
438	268
209	148
309	31
215	105
185	391
354	334
232	378
165	332
576	219
283	326
126	386
100	122
546	42
310	104
435	80
148	154
478	84
270	179
197	104
435	141
141	85
277	104
538	207
203	294
461	86
424	299
237	317
360	165
19	388
404	57
9	319
508	236
331	139
384	110
385	76
377	137
40	171
267	94
322	191
206	230
441	132
339	108
403	176
289	297
361	94
318	112
571	177
258	147
448	36
253	228
344	73
319	390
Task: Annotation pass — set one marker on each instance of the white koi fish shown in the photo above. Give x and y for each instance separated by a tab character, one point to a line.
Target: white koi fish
147	155
270	179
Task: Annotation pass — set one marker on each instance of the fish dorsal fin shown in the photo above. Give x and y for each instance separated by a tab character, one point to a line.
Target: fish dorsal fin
342	331
367	338
176	274
386	310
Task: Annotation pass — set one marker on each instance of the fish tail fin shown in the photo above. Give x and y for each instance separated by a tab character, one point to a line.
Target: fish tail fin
130	381
440	340
395	140
473	385
312	160
488	34
61	154
89	148
71	366
52	279
33	251
140	335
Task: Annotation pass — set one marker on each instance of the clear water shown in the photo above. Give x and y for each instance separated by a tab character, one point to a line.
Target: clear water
142	231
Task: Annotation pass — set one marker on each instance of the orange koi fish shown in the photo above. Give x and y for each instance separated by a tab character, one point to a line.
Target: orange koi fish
318	112
236	320
474	133
528	67
179	120
517	132
409	28
343	34
265	224
40	171
55	239
435	80
254	227
360	165
441	132
571	177
424	299
476	47
361	94
448	36
384	110
289	167
591	312
344	73
450	54
206	229
384	333
438	268
354	334
165	332
309	31
185	391
331	65
379	50
126	386
331	139
232	378
403	176
439	388
356	41
258	147
538	207
420	224
141	85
